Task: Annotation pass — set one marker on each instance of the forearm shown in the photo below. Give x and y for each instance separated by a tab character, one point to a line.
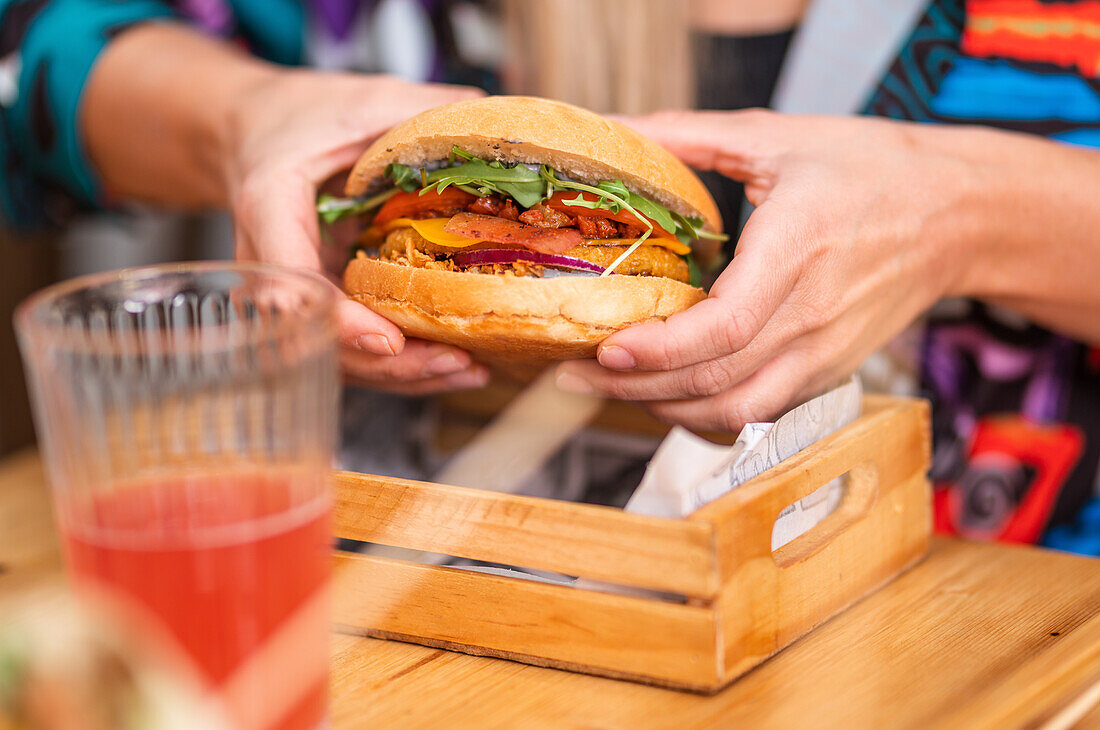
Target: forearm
157	114
1030	228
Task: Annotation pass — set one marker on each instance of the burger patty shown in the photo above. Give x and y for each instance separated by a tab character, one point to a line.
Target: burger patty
404	245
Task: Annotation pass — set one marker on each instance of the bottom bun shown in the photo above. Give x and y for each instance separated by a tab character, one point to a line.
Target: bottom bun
509	321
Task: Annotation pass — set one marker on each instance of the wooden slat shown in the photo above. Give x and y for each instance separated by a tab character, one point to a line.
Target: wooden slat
595	542
1064	667
539	623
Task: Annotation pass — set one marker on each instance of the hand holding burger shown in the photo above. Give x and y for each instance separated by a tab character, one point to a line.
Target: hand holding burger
177	119
311	128
860	226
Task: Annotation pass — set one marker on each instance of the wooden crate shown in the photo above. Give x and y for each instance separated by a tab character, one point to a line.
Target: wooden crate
742	601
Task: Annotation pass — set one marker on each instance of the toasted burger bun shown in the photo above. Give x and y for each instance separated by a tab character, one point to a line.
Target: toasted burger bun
576	142
518	322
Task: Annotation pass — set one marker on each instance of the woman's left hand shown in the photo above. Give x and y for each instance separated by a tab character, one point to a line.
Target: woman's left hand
855	234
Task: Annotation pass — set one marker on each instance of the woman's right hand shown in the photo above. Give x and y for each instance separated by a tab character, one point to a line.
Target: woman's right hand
177	119
293	132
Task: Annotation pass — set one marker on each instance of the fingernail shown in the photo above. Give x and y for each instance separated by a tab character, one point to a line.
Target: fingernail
378	344
474	377
573	384
444	364
615	357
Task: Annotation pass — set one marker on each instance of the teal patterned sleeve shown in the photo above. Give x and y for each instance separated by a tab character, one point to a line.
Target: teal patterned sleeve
47	49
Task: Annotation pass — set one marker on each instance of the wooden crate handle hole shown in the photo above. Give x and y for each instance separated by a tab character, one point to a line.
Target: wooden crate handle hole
860	486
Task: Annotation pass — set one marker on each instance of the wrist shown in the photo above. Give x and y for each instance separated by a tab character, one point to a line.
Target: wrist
155	114
1027	234
974	194
1021	194
233	123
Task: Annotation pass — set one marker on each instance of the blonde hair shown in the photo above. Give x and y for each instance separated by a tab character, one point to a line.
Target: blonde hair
610	56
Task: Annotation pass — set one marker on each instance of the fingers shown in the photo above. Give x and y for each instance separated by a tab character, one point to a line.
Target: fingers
742	301
760	397
739	144
276	221
421	367
477	377
359	328
418	360
703	379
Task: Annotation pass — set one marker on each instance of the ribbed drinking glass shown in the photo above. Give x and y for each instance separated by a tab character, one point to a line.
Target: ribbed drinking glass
186	415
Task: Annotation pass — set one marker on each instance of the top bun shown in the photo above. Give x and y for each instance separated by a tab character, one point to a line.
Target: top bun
578	143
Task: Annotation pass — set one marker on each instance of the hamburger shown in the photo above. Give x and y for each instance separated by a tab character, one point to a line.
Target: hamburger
523	230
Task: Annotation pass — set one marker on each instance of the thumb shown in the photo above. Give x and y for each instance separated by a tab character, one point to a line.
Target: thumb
741	302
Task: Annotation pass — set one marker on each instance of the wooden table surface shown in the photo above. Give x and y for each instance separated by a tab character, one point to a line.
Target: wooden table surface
976	636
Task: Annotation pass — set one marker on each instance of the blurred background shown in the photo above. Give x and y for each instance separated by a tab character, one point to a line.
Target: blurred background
613	56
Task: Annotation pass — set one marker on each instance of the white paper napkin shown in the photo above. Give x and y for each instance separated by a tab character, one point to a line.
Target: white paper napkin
688	471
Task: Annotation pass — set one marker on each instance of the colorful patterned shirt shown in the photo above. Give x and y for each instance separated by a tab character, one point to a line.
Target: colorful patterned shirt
48	47
1016	408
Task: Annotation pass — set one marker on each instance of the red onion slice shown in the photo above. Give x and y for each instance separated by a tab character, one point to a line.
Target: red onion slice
487	256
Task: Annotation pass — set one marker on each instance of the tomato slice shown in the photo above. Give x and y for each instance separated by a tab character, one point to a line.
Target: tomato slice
502	230
406	205
557	202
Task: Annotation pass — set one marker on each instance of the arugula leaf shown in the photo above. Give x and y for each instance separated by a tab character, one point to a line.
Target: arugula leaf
616	188
580	202
684	225
659	213
694	273
527	194
617	193
479	192
519	182
608	198
611	194
696	225
403	177
331	209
